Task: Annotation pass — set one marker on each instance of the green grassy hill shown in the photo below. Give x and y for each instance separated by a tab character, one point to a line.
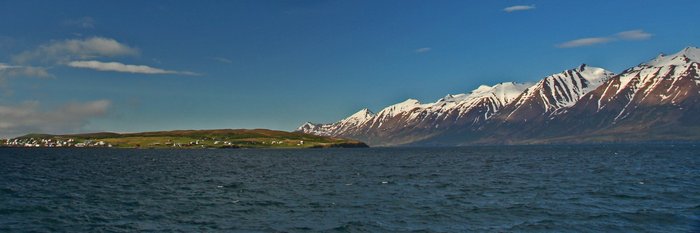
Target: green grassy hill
217	138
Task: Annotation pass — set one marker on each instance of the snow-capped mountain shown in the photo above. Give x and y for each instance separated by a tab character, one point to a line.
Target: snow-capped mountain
649	102
340	127
461	109
554	92
659	97
666	80
411	120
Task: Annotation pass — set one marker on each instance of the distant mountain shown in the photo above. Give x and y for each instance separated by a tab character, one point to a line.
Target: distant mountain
654	101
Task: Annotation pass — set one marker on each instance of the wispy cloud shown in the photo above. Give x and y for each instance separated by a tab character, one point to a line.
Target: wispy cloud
11	71
423	50
634	35
125	68
222	60
620	36
32	71
585	42
519	8
66	50
79	53
84	22
29	117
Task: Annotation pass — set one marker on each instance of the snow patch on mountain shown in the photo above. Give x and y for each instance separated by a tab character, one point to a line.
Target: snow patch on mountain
485	99
685	56
561	90
359	117
399	108
662	66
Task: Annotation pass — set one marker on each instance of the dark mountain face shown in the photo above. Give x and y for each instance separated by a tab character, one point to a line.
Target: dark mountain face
657	100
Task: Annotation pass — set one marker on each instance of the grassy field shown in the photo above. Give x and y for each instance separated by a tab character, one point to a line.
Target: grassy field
219	138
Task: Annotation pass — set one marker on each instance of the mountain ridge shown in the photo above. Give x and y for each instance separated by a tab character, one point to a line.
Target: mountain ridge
587	101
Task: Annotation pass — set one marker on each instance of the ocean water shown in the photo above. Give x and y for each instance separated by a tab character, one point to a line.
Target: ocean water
610	188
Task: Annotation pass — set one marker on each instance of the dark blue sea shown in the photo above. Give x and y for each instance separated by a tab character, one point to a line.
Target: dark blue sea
599	188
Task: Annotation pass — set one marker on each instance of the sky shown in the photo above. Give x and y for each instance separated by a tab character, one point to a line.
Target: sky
131	66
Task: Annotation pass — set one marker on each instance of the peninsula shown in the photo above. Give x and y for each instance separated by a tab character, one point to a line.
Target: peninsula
217	138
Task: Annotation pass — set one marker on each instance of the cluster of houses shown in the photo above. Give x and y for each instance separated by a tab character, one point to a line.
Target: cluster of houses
203	143
301	143
226	143
276	142
195	143
174	144
38	142
57	142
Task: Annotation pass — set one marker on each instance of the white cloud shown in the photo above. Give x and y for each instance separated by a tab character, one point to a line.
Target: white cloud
125	68
519	8
10	71
584	42
222	60
30	118
77	53
620	36
423	50
66	50
634	35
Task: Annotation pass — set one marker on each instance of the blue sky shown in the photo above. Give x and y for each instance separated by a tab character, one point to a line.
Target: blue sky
130	66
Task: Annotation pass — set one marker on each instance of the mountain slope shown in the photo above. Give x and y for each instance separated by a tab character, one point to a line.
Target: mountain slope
552	93
530	111
659	99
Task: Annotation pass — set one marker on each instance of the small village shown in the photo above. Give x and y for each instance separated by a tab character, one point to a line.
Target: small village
39	142
32	142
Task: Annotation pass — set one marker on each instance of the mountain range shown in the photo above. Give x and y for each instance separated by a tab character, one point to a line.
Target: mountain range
654	101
